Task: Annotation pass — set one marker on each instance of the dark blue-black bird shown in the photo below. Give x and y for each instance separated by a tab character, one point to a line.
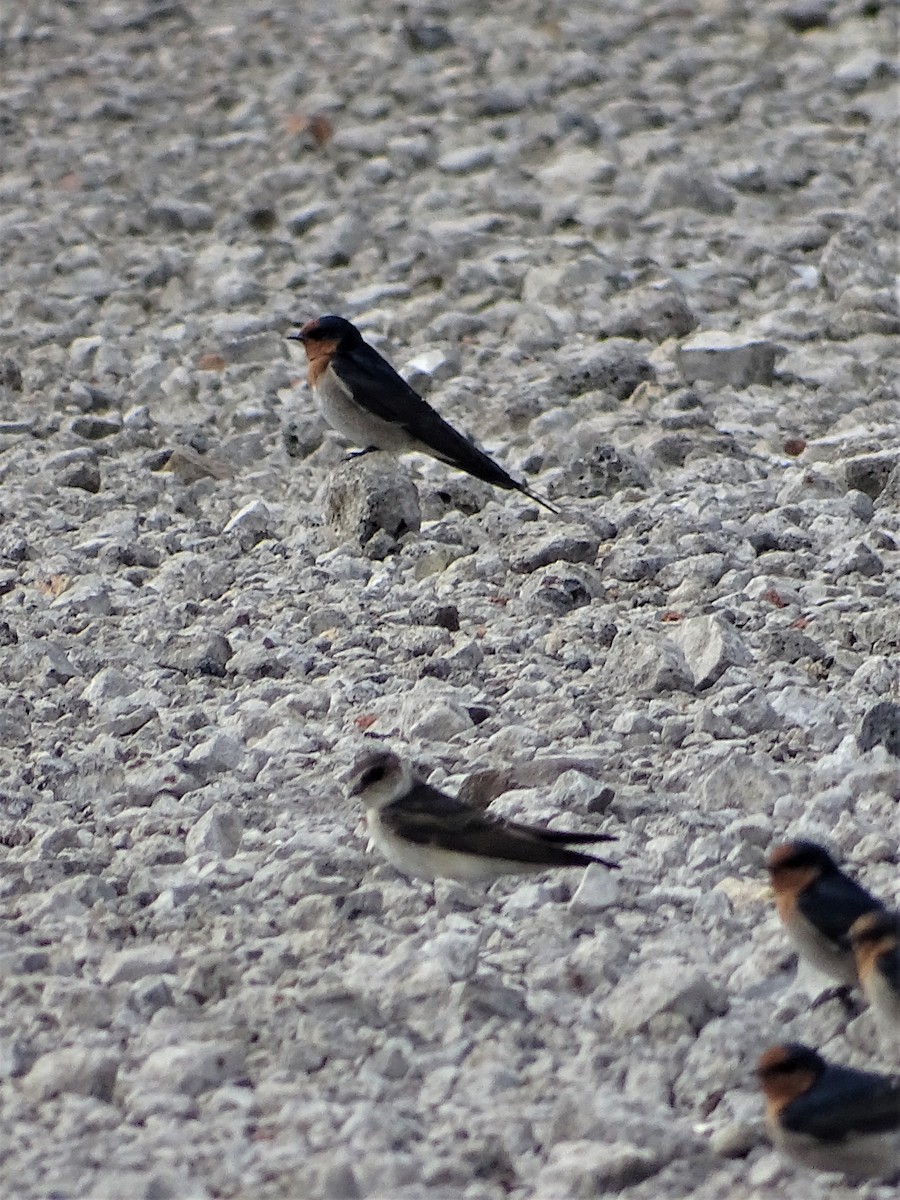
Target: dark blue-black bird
362	396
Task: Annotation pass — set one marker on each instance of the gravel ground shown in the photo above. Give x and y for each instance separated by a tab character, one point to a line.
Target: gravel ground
645	254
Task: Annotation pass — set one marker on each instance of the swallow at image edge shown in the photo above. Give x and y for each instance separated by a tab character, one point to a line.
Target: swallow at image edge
817	904
875	938
828	1117
362	397
429	835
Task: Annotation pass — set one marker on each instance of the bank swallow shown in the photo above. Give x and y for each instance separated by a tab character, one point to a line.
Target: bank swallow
427	834
828	1117
817	904
875	938
362	396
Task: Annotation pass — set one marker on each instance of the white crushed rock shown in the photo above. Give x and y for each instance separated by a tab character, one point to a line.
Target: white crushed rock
643	254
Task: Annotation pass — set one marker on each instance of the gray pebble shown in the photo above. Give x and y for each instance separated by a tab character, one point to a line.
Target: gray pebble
709	645
10	374
218	831
74	1070
557	547
669	987
88	595
881	727
82	475
598	468
94	427
136	962
215	753
176	215
249	524
597	890
657	312
647	667
689	187
616	365
197	654
431	366
584	1169
856	559
727	358
368	494
193	1067
734	1140
467	159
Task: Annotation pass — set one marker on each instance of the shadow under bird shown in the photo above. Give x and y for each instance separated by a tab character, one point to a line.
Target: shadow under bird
875	940
429	835
817	903
829	1117
361	396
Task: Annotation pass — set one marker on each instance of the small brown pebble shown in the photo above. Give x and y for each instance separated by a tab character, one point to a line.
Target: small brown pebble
482	787
190	466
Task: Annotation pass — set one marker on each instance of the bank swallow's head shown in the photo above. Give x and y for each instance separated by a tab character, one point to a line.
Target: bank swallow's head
379	778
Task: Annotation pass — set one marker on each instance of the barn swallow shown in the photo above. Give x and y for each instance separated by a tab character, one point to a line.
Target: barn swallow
828	1117
362	396
817	904
875	938
427	834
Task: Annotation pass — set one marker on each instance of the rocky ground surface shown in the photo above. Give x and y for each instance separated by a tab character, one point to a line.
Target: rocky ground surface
645	253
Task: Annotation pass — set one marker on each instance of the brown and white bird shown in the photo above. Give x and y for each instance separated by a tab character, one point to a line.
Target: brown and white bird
427	834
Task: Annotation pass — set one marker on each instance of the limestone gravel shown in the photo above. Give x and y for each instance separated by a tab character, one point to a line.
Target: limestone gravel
645	254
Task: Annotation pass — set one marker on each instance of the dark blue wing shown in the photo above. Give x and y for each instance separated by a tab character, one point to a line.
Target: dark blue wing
889	965
834	902
429	817
844	1101
377	386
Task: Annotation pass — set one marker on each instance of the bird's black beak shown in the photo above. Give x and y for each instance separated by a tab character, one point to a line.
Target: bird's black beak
353	784
296	335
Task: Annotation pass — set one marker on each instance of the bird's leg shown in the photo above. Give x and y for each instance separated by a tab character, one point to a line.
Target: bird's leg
359	453
843	993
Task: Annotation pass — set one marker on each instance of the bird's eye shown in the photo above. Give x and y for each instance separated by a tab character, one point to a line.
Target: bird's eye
373	775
